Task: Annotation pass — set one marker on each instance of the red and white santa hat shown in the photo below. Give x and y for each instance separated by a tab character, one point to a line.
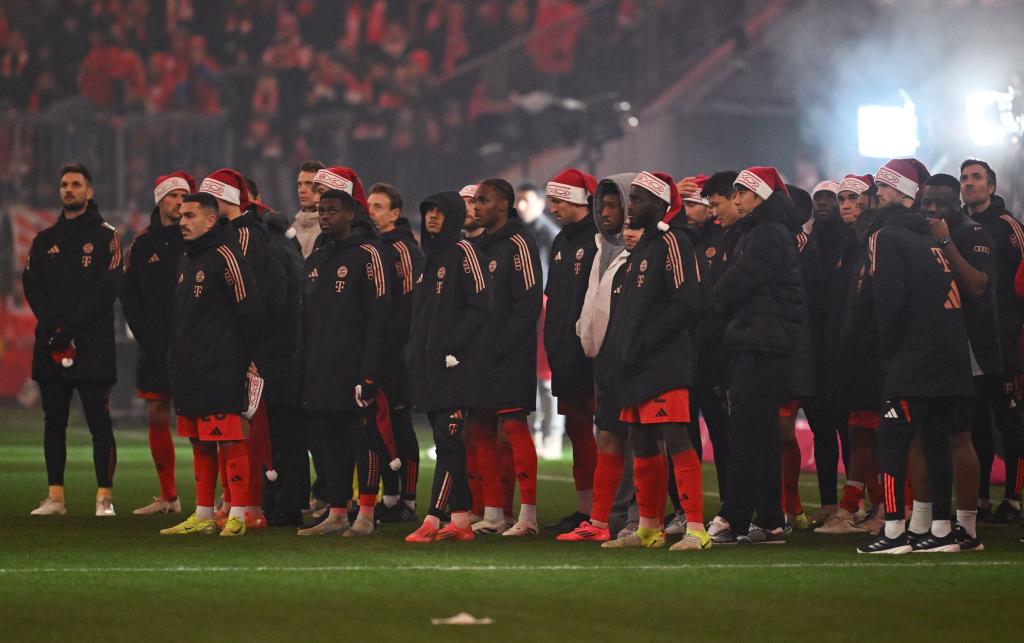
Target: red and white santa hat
856	184
761	180
168	183
907	176
828	185
695	196
572	185
468	191
227	185
664	187
342	178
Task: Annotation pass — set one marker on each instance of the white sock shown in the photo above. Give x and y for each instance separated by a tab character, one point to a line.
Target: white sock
410	504
528	513
1013	503
895	528
585	501
432	520
921	517
460	519
391	501
494	514
237	512
941	528
599	524
204	513
969	521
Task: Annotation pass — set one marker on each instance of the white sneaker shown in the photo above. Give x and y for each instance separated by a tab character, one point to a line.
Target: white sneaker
105	507
49	507
160	506
841	522
521	528
676	526
361	527
488	527
331	525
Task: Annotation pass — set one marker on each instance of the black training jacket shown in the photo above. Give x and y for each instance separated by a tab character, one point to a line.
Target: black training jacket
71	280
978	249
404	260
656	316
215	326
450	314
711	250
804	382
572	255
512	263
346	305
921	332
147	297
761	293
1008	236
278	356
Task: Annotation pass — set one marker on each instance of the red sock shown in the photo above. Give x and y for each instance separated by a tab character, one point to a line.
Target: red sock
476	483
1018	483
580	429
524	454
161	445
367	500
486	444
791	479
225	489
204	462
852	495
507	463
607	476
651	478
254	496
236	460
690	484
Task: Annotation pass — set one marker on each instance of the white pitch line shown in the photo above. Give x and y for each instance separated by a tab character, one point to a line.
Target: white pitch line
503	568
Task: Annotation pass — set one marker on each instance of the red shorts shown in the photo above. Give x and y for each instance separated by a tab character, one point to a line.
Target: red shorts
212	428
149	395
789	409
864	420
577	404
671	406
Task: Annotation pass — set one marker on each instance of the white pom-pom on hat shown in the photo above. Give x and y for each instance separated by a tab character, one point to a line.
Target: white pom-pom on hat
395	464
271	475
663	226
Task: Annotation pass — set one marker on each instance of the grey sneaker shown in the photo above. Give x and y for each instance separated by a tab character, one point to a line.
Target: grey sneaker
361	527
720	532
676	526
759	536
331	525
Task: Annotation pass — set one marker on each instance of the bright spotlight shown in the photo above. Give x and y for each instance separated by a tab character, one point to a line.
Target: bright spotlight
633	121
887	131
990	118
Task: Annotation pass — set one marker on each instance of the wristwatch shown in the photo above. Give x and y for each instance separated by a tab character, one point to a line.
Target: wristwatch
945	241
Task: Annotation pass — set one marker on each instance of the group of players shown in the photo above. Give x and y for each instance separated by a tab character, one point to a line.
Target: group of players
878	304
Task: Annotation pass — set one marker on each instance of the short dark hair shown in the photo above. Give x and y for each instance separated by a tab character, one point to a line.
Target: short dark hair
254	190
311	166
946	181
76	168
528	187
720	183
394	196
347	202
205	200
989	172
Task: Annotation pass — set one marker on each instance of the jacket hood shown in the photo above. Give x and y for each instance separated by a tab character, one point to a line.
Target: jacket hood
996	208
612	244
157	227
871	221
91	215
906	218
402	230
454	208
778	208
276	221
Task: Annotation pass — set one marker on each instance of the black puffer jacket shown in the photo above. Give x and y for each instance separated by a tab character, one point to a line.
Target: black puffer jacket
922	336
147	295
510	258
712	251
404	262
761	293
572	255
450	314
71	280
216	325
656	316
278	357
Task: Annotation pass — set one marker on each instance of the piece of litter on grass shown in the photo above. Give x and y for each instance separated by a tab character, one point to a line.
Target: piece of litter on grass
462	618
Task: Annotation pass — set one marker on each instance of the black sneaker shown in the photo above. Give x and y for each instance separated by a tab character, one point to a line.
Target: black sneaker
931	544
399	513
984	513
884	545
568	523
965	541
1004	514
913	537
758	536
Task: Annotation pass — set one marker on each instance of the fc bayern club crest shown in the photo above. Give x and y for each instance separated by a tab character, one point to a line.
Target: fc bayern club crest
200	277
342	272
710	252
87	248
440	272
643	265
579	254
491	267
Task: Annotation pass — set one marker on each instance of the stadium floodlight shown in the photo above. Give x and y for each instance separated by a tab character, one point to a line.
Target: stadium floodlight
887	131
990	117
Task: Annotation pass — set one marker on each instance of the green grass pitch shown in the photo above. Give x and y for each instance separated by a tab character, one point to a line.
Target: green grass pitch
86	578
